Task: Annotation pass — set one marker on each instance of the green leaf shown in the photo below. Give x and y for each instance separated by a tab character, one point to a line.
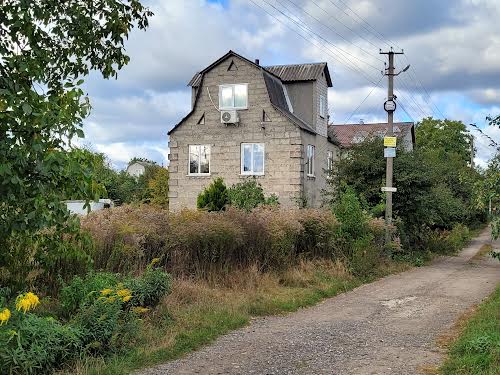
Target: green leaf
27	108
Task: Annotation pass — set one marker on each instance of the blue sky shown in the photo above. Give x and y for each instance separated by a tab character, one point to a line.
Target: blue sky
453	47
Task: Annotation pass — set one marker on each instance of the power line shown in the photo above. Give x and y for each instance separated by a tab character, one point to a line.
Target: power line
351	65
360	104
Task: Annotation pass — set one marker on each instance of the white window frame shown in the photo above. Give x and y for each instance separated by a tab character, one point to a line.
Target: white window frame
242	159
329	161
322	106
311	151
199	158
232	87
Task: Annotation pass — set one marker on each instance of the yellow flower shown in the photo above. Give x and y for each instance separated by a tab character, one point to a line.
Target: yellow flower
125	294
106	292
4	316
27	302
140	310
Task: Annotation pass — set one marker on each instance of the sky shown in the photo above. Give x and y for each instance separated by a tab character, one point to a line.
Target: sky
452	46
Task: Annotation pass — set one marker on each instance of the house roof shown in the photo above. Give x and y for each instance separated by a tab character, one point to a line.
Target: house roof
274	87
301	72
349	134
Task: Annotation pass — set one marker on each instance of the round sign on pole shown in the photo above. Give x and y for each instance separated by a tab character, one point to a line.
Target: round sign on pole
390	105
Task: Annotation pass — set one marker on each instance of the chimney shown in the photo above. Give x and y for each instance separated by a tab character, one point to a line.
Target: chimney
361	121
257	62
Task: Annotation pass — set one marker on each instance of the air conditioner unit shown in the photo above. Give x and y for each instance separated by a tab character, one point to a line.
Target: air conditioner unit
229	117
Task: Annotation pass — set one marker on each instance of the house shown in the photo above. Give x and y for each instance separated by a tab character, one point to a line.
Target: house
253	122
137	167
348	135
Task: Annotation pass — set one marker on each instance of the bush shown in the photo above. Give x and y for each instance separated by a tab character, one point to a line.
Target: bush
248	195
33	345
81	290
149	289
214	197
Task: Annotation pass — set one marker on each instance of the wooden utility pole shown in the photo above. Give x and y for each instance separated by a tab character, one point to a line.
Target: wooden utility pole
390	107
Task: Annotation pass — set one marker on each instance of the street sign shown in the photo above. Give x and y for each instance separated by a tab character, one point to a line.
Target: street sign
390	141
391	189
390	105
389	152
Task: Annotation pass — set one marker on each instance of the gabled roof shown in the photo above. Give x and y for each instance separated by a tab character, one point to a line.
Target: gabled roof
350	134
301	72
274	87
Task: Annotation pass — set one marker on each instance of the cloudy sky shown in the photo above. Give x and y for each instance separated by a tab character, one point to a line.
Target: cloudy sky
453	47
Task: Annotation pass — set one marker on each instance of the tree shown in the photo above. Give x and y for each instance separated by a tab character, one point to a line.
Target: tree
214	197
47	48
158	187
435	182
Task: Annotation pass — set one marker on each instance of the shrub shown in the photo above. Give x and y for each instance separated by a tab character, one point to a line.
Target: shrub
318	235
81	290
32	344
148	290
214	197
249	194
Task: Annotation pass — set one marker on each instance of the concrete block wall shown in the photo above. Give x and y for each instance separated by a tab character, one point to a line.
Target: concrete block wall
282	140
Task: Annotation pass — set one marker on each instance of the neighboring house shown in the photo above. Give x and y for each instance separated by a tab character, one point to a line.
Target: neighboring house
137	168
348	135
77	206
249	121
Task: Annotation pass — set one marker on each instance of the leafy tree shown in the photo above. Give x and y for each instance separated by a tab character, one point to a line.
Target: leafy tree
214	197
435	182
158	187
47	48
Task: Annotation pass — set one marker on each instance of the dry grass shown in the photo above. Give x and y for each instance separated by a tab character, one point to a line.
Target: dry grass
446	339
485	249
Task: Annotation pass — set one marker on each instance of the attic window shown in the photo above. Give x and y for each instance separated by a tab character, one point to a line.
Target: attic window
233	96
265	117
232	66
201	121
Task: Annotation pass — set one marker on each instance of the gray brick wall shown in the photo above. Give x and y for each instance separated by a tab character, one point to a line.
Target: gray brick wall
282	139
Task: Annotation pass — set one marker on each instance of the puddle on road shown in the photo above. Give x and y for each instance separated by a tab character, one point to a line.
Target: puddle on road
393	303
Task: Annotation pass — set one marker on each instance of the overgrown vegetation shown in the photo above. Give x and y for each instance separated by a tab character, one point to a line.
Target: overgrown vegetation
436	183
477	350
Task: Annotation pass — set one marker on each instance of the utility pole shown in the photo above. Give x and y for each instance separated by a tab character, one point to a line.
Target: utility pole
389	140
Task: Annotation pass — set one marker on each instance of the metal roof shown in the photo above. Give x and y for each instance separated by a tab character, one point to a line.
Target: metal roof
301	72
349	134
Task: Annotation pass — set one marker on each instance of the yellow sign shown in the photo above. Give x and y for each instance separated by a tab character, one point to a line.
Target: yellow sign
389	141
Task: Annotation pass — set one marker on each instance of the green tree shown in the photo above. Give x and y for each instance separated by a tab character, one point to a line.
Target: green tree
158	187
47	48
214	197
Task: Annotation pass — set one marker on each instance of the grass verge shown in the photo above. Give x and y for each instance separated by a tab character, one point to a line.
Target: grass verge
476	351
196	312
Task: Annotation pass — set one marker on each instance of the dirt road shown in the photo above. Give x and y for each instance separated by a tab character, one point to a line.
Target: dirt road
386	327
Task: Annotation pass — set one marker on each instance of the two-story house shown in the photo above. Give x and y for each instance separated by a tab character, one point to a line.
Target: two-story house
250	121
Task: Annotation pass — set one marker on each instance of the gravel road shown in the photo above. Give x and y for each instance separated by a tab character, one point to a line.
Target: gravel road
387	327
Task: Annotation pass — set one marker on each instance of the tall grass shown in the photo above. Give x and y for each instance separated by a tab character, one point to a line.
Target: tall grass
216	244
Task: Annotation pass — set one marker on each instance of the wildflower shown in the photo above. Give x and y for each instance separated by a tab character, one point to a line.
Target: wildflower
27	302
125	294
4	316
106	292
140	310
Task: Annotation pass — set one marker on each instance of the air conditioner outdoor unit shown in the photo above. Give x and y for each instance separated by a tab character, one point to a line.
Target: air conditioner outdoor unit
229	117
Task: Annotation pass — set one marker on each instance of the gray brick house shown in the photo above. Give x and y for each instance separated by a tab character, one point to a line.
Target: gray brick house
249	121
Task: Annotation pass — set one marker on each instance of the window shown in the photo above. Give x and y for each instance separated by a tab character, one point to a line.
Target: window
252	158
329	161
199	159
322	106
310	160
233	96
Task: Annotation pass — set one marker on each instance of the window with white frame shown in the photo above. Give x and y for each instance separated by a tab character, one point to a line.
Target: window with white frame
322	106
310	160
199	159
329	161
233	96
252	158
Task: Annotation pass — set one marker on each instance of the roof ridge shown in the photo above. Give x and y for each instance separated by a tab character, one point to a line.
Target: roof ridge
297	64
